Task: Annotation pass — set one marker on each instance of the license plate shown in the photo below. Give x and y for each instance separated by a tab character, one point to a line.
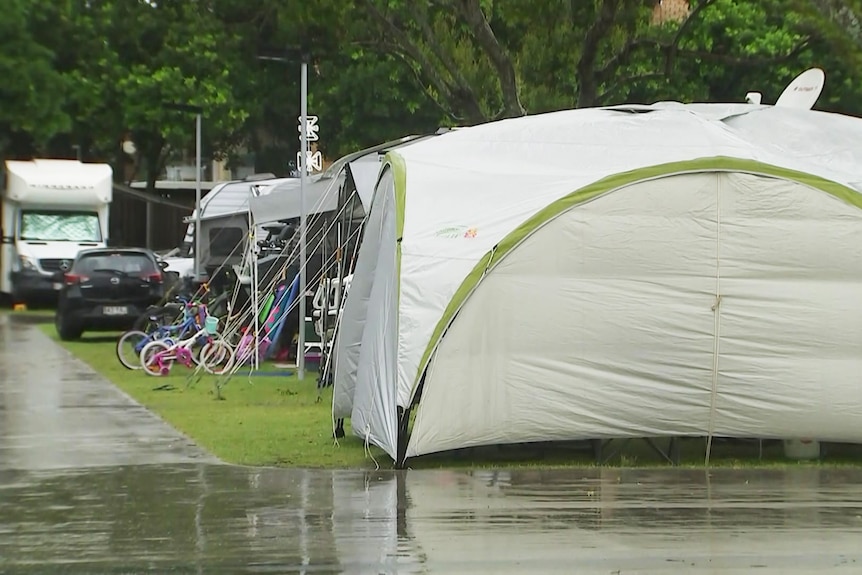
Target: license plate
58	286
115	310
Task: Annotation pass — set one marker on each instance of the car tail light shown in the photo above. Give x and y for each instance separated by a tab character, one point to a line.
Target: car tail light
72	279
155	278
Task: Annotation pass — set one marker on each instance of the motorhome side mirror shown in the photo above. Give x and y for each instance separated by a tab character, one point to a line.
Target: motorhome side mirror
163	264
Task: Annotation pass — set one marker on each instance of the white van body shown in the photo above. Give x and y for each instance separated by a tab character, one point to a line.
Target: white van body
51	209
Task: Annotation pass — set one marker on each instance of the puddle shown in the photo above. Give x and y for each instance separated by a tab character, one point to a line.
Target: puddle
57	413
231	519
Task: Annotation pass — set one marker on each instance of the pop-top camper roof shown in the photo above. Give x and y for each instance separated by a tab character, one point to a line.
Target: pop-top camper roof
232	197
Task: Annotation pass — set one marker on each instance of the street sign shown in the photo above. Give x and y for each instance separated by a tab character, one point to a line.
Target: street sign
311	129
313	161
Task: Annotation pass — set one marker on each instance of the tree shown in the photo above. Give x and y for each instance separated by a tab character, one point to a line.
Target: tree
452	49
844	15
92	72
193	63
481	60
130	57
32	89
362	97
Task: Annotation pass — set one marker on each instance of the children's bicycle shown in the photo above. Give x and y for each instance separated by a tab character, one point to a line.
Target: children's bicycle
131	343
216	356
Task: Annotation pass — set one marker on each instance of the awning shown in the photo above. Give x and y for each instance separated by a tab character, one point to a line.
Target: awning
364	173
283	202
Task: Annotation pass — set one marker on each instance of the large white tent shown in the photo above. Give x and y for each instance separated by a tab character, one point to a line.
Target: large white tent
633	271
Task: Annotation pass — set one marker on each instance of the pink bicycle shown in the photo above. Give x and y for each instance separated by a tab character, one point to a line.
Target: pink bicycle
216	356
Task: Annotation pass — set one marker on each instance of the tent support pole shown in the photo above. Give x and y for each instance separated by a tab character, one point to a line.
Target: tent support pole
300	340
255	286
324	289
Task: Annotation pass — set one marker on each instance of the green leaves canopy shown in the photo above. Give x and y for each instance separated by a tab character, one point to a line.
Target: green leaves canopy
93	72
31	90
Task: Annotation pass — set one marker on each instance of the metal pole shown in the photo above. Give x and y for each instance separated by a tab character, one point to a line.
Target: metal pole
300	340
255	293
150	217
198	197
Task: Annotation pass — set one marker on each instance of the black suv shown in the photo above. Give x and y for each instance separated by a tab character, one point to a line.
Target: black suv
106	289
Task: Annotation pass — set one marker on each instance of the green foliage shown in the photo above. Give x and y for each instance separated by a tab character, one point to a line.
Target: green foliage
93	72
569	54
121	60
364	100
32	90
170	53
736	45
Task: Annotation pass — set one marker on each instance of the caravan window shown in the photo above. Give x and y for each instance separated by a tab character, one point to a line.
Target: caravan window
223	241
49	226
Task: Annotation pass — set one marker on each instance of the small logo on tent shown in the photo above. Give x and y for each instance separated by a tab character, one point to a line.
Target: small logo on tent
455	232
450	232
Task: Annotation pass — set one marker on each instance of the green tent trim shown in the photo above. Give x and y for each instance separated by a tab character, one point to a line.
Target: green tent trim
399	174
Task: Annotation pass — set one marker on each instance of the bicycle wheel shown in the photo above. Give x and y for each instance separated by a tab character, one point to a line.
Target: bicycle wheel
198	348
154	360
129	347
217	357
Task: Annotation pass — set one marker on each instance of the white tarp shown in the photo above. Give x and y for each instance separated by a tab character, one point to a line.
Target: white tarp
284	202
366	349
364	172
469	189
349	338
231	198
322	189
616	335
321	194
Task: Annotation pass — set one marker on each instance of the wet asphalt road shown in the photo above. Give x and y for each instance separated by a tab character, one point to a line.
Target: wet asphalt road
92	483
56	412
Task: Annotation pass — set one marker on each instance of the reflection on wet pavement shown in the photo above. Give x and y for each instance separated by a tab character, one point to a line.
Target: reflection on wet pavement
56	412
90	482
206	518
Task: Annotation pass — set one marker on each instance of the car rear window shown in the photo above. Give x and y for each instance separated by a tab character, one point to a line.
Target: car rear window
126	262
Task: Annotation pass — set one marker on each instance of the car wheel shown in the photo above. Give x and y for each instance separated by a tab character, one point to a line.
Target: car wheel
66	330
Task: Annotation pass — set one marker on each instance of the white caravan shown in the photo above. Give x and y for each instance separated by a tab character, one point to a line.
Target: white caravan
51	209
224	199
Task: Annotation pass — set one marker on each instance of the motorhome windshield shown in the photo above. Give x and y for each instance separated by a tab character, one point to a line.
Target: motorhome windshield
49	226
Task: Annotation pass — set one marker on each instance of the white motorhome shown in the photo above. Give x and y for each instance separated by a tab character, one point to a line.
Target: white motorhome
51	209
